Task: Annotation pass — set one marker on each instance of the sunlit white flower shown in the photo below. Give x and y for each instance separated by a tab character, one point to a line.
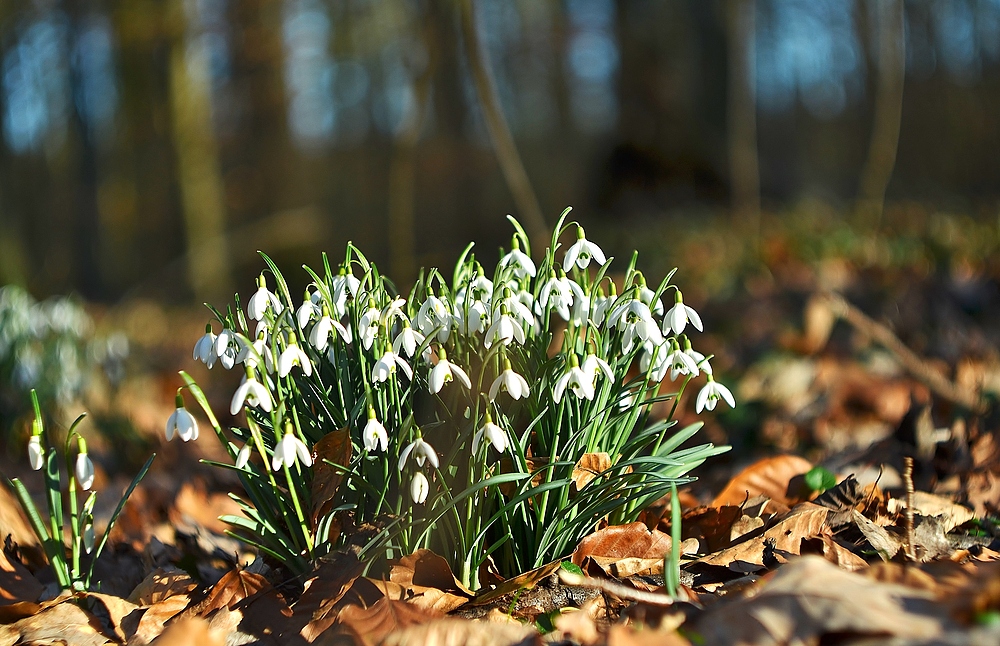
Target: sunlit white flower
518	261
699	359
594	364
288	449
710	394
243	457
368	325
445	371
385	367
493	434
88	536
251	393
204	349
558	293
680	362
421	451
504	329
36	454
419	487
181	423
576	379
657	356
646	296
392	311
251	354
324	329
309	309
635	321
678	316
515	385
471	318
408	340
84	468
602	306
291	356
344	285
432	315
227	348
518	306
374	434
261	300
581	252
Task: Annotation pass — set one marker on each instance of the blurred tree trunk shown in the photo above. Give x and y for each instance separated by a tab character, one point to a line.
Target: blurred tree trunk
402	169
503	141
744	171
884	142
201	187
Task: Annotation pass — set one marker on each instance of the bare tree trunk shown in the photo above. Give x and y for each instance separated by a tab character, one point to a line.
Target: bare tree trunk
402	170
496	124
201	185
888	113
744	171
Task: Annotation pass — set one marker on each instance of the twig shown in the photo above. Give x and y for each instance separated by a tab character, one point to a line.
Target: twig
919	368
911	553
617	589
496	124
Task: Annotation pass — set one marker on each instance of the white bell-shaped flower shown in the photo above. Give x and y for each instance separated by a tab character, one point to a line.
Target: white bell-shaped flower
515	385
491	433
576	379
519	261
444	372
289	449
261	300
250	393
204	349
419	487
421	451
581	252
711	393
181	423
292	356
386	366
84	468
374	434
36	454
678	316
408	340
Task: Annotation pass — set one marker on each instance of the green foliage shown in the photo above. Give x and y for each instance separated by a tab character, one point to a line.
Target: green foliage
819	479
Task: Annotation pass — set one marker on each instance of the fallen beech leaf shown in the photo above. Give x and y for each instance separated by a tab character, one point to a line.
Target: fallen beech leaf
109	610
193	630
839	555
16	583
360	592
589	467
620	542
931	506
372	625
425	569
622	635
161	584
460	632
578	627
901	575
781	478
61	623
525	581
324	589
711	525
230	590
155	617
15	524
803	522
810	598
335	448
881	541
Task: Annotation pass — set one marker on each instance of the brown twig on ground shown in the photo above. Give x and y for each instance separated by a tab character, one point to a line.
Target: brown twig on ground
611	587
496	124
911	553
912	363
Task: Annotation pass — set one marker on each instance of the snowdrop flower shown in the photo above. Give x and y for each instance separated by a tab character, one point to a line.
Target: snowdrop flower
504	329
594	364
227	348
655	355
576	379
204	349
680	362
88	536
251	354
308	310
421	451
36	454
513	383
471	318
419	487
391	311
493	433
84	469
343	286
518	261
288	449
602	305
324	329
710	394
181	422
519	306
444	372
646	295
699	359
385	367
261	300
251	393
243	457
434	313
408	340
368	324
636	322
293	355
374	433
678	316
581	252
558	294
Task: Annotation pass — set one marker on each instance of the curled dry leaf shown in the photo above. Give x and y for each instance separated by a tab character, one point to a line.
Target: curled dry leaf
155	617
230	590
60	623
779	478
590	466
525	581
810	598
16	583
463	632
881	540
372	625
932	506
161	584
334	448
193	630
425	569
784	538
325	588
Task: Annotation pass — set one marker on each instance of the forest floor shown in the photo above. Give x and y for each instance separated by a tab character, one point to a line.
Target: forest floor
860	503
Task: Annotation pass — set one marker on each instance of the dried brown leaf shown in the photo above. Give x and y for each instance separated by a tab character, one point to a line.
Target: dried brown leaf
810	598
230	590
620	542
803	522
589	466
779	478
711	525
460	632
627	635
16	583
525	581
932	506
374	624
424	569
335	448
161	584
193	630
195	505
155	617
59	623
881	541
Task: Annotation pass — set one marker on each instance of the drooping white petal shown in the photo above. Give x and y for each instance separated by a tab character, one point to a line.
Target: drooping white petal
36	455
375	436
84	471
419	488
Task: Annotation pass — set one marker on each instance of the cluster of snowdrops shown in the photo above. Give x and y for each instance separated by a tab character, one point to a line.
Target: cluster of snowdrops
494	416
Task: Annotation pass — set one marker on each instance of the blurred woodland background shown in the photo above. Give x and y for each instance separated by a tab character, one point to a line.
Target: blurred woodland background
150	147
